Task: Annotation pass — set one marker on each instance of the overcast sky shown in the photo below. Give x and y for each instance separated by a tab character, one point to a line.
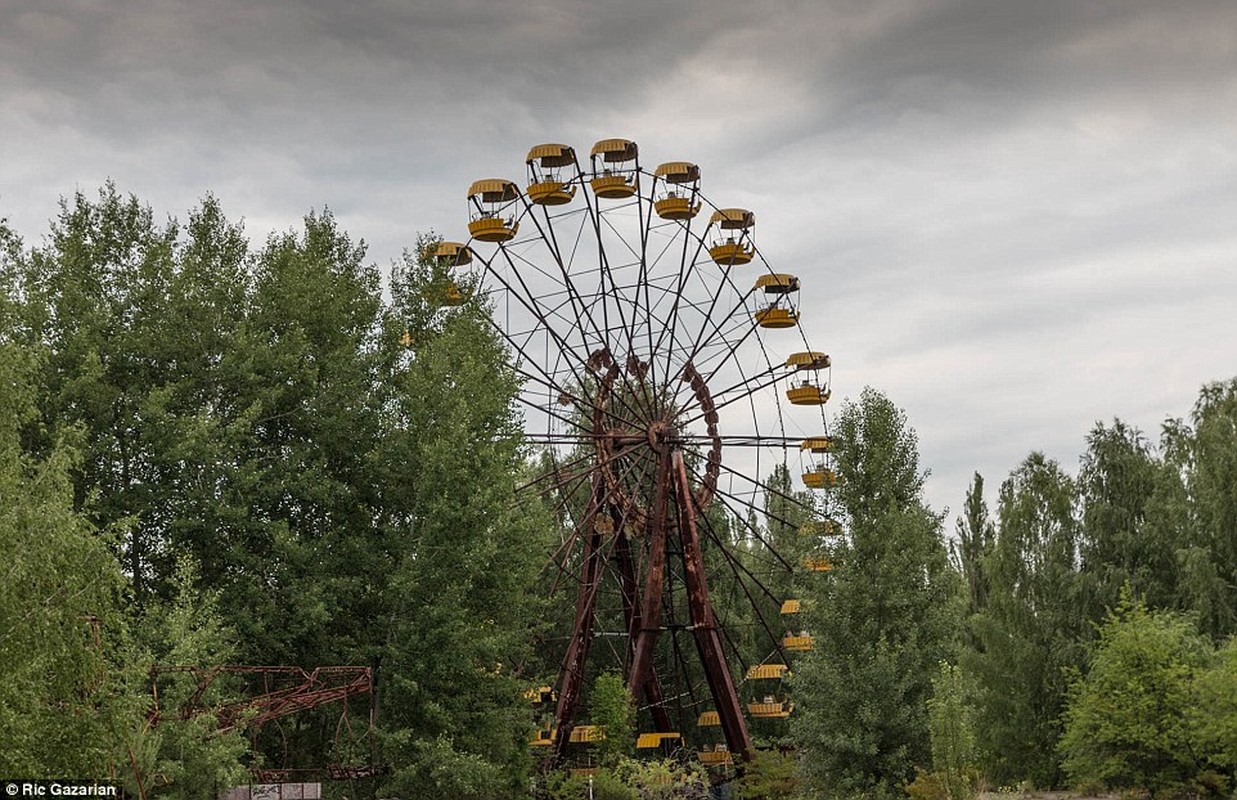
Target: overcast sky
1015	218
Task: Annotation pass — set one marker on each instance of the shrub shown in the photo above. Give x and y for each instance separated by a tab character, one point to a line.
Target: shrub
1130	721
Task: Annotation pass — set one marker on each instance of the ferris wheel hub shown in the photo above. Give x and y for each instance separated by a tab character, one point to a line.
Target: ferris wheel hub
660	433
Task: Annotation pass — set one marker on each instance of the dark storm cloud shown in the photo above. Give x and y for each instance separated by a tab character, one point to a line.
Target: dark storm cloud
1015	217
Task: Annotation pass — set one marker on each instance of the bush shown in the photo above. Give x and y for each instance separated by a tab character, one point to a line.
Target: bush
770	775
1131	722
951	731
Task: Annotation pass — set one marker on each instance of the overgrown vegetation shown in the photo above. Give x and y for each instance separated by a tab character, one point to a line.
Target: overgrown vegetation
213	452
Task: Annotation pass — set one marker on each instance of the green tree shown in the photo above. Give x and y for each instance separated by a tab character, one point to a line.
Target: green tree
1216	710
1033	626
882	620
976	538
95	299
62	706
1129	720
464	608
952	733
665	779
183	757
770	775
1116	546
612	708
1195	506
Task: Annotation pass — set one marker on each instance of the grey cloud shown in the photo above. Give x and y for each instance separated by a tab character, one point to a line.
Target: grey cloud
997	208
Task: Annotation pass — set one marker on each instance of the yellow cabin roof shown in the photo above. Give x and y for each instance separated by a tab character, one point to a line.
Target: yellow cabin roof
649	740
791	607
678	172
817	444
708	719
733	218
766	672
494	190
777	280
587	733
551	155
810	359
616	149
457	253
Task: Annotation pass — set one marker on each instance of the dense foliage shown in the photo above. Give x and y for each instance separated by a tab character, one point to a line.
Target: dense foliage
220	454
214	452
1136	719
882	620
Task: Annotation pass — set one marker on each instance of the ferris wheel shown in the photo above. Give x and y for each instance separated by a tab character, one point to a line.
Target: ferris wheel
665	377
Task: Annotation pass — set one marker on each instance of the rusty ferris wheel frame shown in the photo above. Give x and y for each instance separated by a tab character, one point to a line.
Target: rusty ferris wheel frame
653	338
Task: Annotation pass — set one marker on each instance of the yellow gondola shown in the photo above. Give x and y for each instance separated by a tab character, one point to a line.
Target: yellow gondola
798	643
615	175
801	641
714	755
818	476
677	200
775	317
817	564
767	672
807	394
541	695
491	203
544	738
736	246
771	707
583	734
547	185
649	741
708	719
447	256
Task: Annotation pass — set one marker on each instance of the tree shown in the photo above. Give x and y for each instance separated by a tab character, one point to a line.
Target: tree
612	708
1195	507
1215	710
882	619
463	607
1116	546
1033	626
770	775
62	705
952	733
1130	719
182	757
976	537
95	300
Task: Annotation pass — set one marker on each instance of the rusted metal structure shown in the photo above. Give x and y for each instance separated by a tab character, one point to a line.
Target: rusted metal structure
657	348
272	694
